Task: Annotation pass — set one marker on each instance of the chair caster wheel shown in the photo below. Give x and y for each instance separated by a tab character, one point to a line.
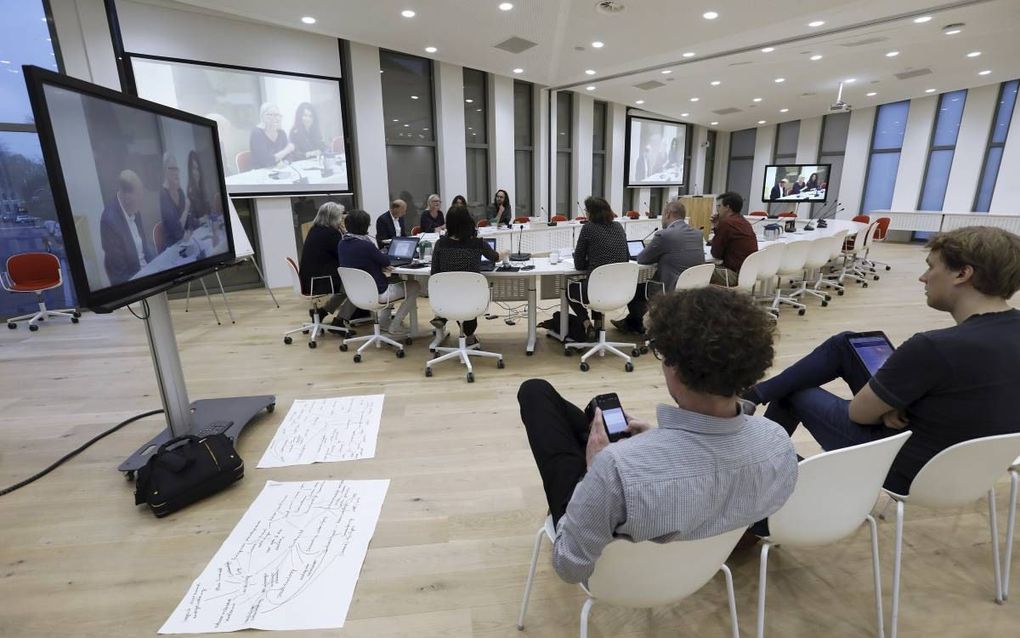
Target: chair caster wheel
343	347
864	285
74	319
76	314
312	345
644	349
304	332
408	341
288	340
129	475
801	312
528	353
428	372
636	352
470	377
888	268
629	367
828	297
500	364
584	366
840	293
12	325
825	303
357	358
567	352
32	327
876	277
400	353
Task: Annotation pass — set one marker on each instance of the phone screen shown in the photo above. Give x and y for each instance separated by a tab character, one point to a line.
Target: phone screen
616	423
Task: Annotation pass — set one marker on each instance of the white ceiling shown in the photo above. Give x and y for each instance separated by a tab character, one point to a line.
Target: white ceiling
655	33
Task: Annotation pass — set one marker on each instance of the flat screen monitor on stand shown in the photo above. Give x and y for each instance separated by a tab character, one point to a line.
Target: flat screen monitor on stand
141	201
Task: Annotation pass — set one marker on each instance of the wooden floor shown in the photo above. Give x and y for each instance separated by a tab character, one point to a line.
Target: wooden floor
450	554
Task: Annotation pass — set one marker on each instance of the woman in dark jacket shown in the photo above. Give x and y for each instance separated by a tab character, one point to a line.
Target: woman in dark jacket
319	262
601	241
500	211
305	134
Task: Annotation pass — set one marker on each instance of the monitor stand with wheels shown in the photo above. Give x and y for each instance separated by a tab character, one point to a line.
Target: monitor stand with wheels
203	417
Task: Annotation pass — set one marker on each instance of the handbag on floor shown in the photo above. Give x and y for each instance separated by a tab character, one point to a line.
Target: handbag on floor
187	469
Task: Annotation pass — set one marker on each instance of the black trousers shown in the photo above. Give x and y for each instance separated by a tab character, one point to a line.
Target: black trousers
579	290
558	434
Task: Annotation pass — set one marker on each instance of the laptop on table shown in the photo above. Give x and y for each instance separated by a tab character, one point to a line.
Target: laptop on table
402	250
634	247
487	264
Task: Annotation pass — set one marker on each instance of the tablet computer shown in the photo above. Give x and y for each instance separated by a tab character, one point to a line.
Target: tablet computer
871	349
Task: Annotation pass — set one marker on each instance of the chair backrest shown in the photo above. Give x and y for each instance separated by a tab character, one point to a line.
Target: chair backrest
883	227
749	270
758	213
835	492
794	257
870	234
650	574
295	277
416	230
159	237
788	213
612	286
819	253
360	288
580	218
34	269
482	223
773	257
695	277
521	220
459	295
859	239
558	218
836	245
633	214
964	472
864	219
243	161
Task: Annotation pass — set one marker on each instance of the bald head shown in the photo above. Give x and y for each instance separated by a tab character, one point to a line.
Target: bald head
398	208
673	211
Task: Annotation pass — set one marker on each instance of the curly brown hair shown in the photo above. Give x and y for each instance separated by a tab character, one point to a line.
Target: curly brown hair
717	340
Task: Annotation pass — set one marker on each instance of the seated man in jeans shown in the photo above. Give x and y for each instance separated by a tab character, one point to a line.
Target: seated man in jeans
707	469
947	386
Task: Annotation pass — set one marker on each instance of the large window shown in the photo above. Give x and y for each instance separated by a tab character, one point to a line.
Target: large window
28	217
477	141
524	167
785	152
835	128
943	146
410	131
709	164
886	143
996	142
598	149
564	150
738	176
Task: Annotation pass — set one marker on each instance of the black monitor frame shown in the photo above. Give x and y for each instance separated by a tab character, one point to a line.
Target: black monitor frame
764	183
626	151
113	297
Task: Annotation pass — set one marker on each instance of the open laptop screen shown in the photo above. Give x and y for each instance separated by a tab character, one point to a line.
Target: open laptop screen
492	245
403	247
634	247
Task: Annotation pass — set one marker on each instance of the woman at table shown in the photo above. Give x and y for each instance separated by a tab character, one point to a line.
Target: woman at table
458	200
460	250
500	211
319	263
198	201
305	136
173	206
812	182
358	250
601	241
268	141
432	219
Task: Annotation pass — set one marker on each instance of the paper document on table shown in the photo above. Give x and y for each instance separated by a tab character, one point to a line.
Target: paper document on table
291	563
324	430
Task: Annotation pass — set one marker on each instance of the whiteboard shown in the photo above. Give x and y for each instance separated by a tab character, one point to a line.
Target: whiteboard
242	245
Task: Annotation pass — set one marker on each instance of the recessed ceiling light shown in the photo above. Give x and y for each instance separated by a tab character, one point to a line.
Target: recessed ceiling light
761	121
695	99
505	6
929	90
757	99
667	71
407	13
985	72
713	123
922	19
518	70
892	54
849	80
639	101
784	110
430	49
816	23
815	57
973	54
469	101
396	120
308	20
768	49
589	72
710	15
688	54
780	80
597	44
715	82
952	31
684	114
407	125
871	94
414	97
589	88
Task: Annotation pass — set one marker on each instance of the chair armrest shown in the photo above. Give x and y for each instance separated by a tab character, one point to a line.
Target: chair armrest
311	284
651	283
5	281
569	298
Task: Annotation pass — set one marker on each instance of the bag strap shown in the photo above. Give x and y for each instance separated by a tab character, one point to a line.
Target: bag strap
180	439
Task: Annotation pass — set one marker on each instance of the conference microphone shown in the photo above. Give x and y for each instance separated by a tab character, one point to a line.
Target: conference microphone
519	256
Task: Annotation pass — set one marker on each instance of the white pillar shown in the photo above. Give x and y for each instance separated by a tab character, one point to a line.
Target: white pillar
584	107
450	143
371	177
616	135
501	136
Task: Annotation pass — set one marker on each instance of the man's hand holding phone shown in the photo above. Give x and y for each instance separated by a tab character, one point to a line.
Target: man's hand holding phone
609	423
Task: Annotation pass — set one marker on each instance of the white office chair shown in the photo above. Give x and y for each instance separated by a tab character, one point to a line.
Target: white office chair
852	266
956	476
812	516
362	292
315	327
768	270
460	296
610	287
792	266
1014	479
695	277
818	254
648	574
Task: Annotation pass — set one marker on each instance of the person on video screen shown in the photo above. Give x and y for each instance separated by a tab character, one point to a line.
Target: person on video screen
305	136
779	190
812	183
798	186
125	242
268	142
198	201
173	207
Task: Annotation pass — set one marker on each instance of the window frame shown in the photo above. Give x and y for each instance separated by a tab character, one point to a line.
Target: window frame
995	145
872	151
933	148
529	149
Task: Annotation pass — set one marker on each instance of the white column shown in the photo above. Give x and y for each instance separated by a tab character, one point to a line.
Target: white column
1006	196
615	140
855	161
722	163
85	45
275	222
914	156
450	144
765	143
809	140
501	135
584	107
643	199
371	177
970	148
541	160
695	176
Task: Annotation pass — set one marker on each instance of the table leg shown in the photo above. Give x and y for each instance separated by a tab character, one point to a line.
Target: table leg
564	309
532	314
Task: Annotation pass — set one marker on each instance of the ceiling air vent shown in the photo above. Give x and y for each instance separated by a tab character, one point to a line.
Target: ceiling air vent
864	42
649	85
727	111
916	73
610	7
516	45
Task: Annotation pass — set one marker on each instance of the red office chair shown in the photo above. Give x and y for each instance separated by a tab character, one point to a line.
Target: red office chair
758	213
521	220
558	218
416	230
580	218
849	243
243	161
159	237
881	231
35	273
633	214
483	223
788	214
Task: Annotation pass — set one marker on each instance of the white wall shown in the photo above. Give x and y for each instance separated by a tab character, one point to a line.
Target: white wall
371	176
584	107
502	171
971	143
84	37
722	164
855	161
451	155
542	133
914	155
809	140
696	172
764	144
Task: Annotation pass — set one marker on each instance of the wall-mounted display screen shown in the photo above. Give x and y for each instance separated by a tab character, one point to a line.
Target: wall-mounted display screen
655	152
796	183
279	133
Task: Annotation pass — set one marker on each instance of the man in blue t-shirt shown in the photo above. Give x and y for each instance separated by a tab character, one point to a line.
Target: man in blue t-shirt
947	386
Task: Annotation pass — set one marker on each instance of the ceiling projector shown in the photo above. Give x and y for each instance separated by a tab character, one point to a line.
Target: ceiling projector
839	106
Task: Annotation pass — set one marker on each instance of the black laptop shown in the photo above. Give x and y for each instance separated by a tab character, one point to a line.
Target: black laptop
871	349
487	264
402	250
634	247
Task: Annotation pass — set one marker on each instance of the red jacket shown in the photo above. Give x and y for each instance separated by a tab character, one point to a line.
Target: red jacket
734	240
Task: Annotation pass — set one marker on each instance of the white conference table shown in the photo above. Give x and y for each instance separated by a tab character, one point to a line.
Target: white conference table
204	242
306	171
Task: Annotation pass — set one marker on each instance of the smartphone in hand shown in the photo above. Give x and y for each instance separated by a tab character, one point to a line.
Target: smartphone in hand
612	416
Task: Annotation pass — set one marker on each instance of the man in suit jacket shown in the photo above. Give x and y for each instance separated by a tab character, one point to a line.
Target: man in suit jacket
779	190
391	223
126	243
675	248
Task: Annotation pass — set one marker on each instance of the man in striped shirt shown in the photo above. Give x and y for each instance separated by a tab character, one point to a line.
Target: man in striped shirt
706	469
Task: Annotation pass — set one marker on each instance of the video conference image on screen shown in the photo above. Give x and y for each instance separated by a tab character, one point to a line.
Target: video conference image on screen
143	189
278	133
796	183
656	153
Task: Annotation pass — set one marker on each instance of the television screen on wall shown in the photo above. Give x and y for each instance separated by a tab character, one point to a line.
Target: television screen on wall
796	183
279	133
655	152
